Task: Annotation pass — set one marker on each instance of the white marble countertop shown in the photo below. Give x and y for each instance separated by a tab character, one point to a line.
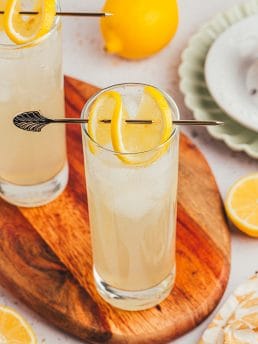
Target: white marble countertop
85	59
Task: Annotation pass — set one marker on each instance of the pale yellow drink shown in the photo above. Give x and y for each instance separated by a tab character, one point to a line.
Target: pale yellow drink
33	166
132	213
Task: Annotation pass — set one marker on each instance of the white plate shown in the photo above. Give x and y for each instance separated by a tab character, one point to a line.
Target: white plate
194	87
231	71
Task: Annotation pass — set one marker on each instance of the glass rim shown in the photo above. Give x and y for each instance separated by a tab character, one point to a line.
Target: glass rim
170	100
10	46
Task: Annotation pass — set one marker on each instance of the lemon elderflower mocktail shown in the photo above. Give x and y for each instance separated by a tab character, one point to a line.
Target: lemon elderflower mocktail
33	167
131	175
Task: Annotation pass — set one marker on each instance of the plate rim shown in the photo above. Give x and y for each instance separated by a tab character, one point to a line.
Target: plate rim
206	72
210	30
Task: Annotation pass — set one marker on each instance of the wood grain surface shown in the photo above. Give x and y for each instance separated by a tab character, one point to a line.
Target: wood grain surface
45	253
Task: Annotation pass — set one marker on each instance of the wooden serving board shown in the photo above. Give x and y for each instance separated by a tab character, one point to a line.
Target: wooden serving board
45	253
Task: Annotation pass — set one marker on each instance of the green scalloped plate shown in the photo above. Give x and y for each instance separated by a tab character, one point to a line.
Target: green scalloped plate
193	85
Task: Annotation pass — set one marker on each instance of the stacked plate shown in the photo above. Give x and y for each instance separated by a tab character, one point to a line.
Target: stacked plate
219	76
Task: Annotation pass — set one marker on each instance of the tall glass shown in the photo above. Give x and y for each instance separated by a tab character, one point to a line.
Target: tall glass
132	213
33	166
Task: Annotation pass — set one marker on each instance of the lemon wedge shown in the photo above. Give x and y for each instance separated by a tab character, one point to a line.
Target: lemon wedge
22	31
242	204
135	138
106	106
14	329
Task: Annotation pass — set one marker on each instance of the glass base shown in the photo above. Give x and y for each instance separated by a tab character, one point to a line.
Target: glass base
35	195
134	300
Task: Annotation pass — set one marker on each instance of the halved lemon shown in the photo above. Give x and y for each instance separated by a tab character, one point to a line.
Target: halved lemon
21	30
242	204
14	329
135	138
105	107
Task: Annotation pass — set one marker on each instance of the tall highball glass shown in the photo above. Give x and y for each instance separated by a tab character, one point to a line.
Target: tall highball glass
132	212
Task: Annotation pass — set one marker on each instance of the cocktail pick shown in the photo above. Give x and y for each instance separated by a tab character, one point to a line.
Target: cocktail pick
34	121
68	14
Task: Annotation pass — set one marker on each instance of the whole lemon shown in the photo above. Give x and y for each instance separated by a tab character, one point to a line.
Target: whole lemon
138	28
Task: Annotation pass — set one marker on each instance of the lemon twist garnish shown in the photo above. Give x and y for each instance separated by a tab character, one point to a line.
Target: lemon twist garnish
14	329
107	105
134	144
22	31
135	138
242	204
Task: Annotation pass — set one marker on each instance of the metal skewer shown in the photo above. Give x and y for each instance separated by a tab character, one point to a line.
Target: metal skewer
34	121
67	14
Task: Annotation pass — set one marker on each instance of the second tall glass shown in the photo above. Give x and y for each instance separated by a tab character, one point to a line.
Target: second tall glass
33	166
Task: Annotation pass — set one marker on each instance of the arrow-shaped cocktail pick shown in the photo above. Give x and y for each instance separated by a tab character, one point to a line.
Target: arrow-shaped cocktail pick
68	14
34	121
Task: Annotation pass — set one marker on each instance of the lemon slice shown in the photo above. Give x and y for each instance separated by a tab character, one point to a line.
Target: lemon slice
135	138
22	31
106	106
2	8
242	204
14	329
